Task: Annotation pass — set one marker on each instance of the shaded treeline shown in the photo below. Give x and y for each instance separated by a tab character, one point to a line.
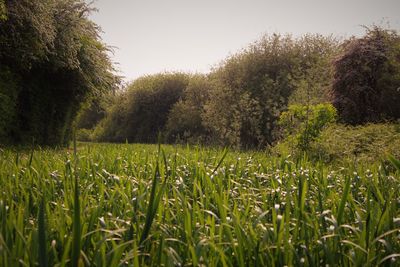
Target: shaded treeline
51	61
240	101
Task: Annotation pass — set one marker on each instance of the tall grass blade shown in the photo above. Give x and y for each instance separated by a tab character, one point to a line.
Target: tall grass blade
31	157
220	161
76	223
42	235
395	162
343	201
390	257
151	206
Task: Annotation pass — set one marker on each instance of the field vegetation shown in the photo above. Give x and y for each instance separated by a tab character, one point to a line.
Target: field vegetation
139	205
285	154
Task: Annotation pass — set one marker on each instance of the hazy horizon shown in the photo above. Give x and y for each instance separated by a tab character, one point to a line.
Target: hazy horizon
192	36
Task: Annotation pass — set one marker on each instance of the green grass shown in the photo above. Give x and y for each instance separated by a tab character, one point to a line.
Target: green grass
138	205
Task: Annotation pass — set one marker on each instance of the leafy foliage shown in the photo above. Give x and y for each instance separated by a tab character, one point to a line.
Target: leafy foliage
360	144
367	78
315	72
303	124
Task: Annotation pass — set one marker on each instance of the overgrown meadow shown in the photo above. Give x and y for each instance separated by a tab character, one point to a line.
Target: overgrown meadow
144	205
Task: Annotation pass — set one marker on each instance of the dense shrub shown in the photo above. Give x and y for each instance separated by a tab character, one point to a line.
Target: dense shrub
303	124
364	143
112	127
367	78
314	73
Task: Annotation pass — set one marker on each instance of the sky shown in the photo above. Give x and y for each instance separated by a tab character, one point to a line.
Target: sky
152	36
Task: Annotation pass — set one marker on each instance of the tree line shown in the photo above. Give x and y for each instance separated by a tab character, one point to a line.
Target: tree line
242	100
55	75
238	103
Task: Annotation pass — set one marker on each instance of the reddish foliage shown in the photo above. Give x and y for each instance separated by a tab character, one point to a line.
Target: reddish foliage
366	80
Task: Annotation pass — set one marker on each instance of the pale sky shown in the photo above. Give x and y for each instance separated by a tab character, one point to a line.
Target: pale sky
152	36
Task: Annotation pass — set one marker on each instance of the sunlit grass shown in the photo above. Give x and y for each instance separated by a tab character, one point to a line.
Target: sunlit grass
137	205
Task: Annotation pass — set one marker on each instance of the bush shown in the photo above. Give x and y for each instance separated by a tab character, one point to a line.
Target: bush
367	78
368	143
303	124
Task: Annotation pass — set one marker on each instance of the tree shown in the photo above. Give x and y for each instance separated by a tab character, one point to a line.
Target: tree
141	112
254	86
367	78
315	71
57	61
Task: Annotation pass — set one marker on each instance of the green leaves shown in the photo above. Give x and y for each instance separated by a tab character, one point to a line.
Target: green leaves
302	124
251	88
152	207
141	112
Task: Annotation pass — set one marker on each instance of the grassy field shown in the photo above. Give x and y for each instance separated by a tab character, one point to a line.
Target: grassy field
137	205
